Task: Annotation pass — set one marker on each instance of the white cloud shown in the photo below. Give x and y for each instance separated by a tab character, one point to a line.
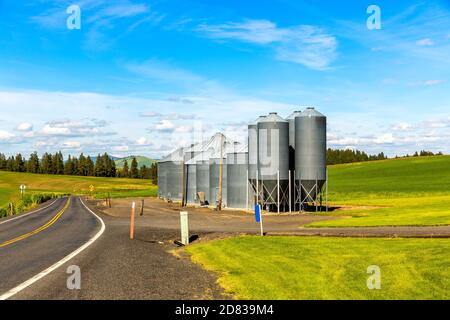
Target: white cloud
5	135
403	126
433	82
49	130
303	44
71	145
25	127
121	148
165	126
426	42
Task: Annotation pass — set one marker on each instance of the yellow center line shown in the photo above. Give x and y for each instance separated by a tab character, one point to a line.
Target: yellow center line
42	228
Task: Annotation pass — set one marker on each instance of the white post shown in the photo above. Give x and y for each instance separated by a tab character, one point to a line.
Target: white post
184	222
290	193
278	191
247	182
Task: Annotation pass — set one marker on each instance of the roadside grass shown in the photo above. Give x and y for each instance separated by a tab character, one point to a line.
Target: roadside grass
407	191
302	268
37	183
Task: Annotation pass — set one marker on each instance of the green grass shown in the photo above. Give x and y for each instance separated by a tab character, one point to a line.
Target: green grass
409	191
327	268
37	183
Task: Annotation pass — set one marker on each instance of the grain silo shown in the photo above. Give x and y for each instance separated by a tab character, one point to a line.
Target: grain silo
174	175
310	155
253	152
273	162
162	179
237	184
191	171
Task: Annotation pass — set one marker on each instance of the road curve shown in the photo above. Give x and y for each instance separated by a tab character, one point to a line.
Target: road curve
35	242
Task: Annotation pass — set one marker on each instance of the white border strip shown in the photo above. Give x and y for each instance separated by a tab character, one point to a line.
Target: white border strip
44	273
27	214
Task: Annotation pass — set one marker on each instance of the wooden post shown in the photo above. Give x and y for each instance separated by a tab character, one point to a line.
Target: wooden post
142	207
133	207
219	202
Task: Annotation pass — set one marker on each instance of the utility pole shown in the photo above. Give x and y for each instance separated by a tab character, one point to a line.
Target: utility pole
219	204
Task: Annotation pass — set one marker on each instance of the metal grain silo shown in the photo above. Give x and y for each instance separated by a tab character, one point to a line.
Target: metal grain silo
191	183
202	178
174	175
214	174
273	162
310	154
253	151
162	179
237	184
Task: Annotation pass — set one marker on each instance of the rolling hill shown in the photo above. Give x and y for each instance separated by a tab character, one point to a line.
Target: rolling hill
41	183
406	191
142	161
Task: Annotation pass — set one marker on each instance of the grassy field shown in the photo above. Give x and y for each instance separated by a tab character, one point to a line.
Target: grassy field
327	268
410	191
36	183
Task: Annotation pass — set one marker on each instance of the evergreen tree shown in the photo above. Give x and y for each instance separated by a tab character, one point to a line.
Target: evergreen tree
33	165
46	163
68	166
125	170
99	166
134	171
2	161
19	163
90	167
82	165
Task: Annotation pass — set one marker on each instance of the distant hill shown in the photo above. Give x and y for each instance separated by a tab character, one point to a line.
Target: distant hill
142	161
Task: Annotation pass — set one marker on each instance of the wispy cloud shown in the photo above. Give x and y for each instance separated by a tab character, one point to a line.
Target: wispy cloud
307	45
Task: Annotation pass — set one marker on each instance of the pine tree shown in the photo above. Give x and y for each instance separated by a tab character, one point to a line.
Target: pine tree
46	163
90	167
125	170
19	163
2	161
68	166
134	172
33	165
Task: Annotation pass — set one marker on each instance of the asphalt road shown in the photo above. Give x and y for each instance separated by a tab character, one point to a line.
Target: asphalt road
32	243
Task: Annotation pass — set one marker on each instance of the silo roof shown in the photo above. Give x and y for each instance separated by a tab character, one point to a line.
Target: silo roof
311	112
260	118
293	115
273	117
212	148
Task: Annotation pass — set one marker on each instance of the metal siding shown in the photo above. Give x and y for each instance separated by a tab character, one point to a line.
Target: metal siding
214	173
191	184
237	184
174	180
311	148
202	178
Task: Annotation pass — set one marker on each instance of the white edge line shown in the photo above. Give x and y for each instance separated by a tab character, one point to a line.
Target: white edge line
27	214
44	273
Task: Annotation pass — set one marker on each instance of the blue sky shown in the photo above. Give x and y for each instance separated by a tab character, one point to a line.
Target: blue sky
140	77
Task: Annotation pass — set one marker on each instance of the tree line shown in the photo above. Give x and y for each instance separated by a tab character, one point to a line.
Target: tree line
104	166
338	156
